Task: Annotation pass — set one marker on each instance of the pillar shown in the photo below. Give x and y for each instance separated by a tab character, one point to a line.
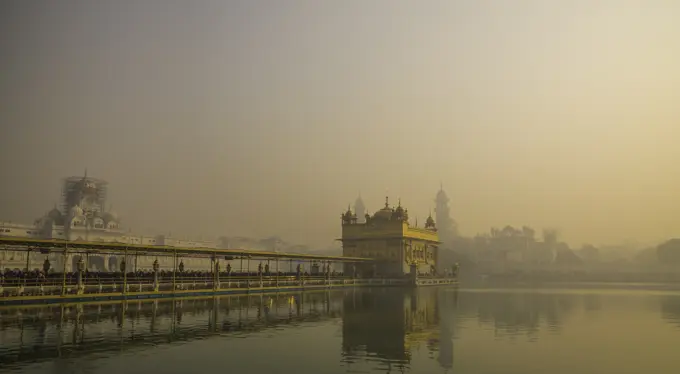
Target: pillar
28	262
216	283
123	269
156	283
328	272
174	271
414	273
63	279
259	272
228	275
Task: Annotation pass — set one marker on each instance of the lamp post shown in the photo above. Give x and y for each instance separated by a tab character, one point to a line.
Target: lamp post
46	266
124	271
81	269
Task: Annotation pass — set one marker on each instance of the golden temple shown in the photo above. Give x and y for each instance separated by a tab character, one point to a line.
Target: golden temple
387	236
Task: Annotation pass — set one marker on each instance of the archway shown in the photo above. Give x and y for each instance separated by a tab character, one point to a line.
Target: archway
113	263
96	263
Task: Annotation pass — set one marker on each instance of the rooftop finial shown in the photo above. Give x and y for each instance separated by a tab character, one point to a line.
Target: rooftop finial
399	202
387	202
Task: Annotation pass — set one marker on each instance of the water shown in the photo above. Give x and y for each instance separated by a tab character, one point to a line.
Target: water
430	330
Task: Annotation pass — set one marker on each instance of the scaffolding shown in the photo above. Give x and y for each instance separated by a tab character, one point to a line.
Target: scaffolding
76	190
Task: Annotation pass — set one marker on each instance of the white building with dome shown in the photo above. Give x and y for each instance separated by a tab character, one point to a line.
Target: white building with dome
83	217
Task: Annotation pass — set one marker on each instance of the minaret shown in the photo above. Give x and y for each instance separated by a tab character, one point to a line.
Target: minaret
447	227
360	210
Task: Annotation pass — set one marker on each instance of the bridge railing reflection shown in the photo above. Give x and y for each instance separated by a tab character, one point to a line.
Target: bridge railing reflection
32	334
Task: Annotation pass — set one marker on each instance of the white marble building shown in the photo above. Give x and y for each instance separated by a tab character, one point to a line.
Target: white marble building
83	217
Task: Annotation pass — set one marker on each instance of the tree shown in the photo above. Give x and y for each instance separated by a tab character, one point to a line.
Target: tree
669	252
550	236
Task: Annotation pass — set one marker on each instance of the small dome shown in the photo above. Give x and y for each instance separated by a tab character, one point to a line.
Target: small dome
429	224
384	213
399	213
76	211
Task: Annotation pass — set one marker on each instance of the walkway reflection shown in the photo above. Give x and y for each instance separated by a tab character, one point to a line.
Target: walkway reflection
380	327
35	334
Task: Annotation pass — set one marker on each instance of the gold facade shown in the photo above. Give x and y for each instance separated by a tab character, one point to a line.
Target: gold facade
391	323
388	237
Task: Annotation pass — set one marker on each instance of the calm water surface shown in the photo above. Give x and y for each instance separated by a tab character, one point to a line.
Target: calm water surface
435	330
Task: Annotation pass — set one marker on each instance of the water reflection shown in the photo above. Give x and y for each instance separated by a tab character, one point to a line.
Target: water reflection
35	334
387	325
670	309
353	330
522	313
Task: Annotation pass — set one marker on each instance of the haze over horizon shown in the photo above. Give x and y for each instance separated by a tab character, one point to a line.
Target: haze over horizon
262	118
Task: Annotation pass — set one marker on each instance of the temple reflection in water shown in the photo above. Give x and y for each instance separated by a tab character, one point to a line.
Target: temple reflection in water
357	330
383	324
389	324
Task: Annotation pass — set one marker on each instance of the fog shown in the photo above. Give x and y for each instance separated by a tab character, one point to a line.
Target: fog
258	118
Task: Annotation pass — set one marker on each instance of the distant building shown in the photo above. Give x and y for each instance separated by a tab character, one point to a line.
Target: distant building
447	226
387	236
82	217
360	210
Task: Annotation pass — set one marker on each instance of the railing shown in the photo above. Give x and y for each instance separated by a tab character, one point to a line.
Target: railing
131	285
135	284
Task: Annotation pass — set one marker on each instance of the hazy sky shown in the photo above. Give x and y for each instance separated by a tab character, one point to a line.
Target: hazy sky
263	117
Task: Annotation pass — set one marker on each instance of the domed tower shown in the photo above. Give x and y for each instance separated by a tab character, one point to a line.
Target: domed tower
360	210
384	214
348	218
429	223
448	229
400	214
86	192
